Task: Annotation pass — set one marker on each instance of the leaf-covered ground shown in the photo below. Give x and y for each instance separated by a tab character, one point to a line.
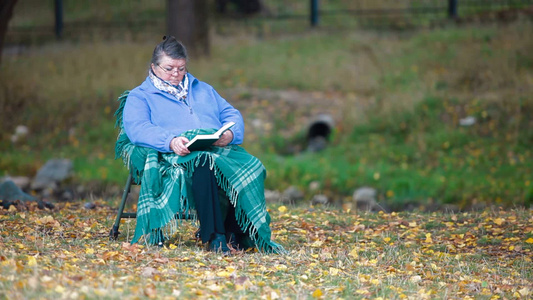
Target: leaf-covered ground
66	254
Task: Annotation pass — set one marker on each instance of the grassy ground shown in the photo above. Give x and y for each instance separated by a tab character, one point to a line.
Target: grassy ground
397	100
332	254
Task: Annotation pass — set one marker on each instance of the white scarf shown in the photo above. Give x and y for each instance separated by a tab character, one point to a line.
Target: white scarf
180	91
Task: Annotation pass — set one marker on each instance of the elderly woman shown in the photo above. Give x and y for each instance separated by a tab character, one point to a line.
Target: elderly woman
223	183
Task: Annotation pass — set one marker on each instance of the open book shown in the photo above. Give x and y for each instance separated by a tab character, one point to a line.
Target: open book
203	141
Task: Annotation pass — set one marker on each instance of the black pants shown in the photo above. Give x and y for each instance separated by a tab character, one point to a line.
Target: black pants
214	215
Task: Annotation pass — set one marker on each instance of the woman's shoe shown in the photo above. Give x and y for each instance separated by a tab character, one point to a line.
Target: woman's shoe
158	238
218	244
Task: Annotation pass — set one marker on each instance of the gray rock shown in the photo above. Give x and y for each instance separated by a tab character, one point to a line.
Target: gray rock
314	186
89	205
53	172
10	192
468	121
364	199
292	195
21	132
320	199
272	196
22	182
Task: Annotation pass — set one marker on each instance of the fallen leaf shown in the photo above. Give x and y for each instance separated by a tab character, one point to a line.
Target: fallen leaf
150	291
317	293
32	261
415	279
149	272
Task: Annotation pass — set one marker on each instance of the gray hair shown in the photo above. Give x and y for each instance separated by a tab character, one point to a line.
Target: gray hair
169	47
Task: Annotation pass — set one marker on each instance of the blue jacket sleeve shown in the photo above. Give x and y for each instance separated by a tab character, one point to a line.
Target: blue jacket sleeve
228	113
139	127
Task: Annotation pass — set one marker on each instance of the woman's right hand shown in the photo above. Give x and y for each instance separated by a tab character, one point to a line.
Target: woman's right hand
178	145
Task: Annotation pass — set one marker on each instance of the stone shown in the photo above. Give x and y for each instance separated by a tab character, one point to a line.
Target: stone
10	194
22	182
364	199
9	191
468	121
53	172
272	196
292	195
314	186
320	199
21	132
89	205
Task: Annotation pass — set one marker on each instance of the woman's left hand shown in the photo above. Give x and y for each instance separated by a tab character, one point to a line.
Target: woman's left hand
178	145
225	139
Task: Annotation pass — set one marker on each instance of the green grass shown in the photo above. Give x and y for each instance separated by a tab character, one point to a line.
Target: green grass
397	100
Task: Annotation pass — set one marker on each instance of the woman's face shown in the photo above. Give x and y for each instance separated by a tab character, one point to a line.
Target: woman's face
171	70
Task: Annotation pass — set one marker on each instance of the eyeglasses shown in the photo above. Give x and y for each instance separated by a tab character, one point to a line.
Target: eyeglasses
171	71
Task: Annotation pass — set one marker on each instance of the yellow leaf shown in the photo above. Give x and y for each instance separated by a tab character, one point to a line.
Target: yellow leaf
387	239
499	221
317	293
89	251
529	241
317	244
172	246
282	209
354	253
239	287
214	287
32	261
524	292
428	238
334	271
150	291
224	274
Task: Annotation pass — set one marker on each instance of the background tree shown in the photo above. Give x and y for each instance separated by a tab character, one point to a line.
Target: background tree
187	20
6	12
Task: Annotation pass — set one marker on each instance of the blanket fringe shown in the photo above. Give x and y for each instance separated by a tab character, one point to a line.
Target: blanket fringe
131	154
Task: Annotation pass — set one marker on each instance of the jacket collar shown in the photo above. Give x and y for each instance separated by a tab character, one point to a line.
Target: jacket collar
149	87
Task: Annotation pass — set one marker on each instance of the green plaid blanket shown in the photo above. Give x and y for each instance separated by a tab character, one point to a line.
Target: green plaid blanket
165	180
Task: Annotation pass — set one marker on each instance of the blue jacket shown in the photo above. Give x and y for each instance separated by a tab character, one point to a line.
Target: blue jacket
152	118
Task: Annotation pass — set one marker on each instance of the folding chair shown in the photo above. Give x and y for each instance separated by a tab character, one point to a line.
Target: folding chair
114	232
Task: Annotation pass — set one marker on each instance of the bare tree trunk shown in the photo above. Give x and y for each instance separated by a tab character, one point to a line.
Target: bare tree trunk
187	20
6	12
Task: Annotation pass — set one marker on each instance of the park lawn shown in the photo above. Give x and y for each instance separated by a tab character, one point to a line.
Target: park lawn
332	253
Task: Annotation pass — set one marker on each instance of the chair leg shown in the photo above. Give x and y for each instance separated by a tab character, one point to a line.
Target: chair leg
113	234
